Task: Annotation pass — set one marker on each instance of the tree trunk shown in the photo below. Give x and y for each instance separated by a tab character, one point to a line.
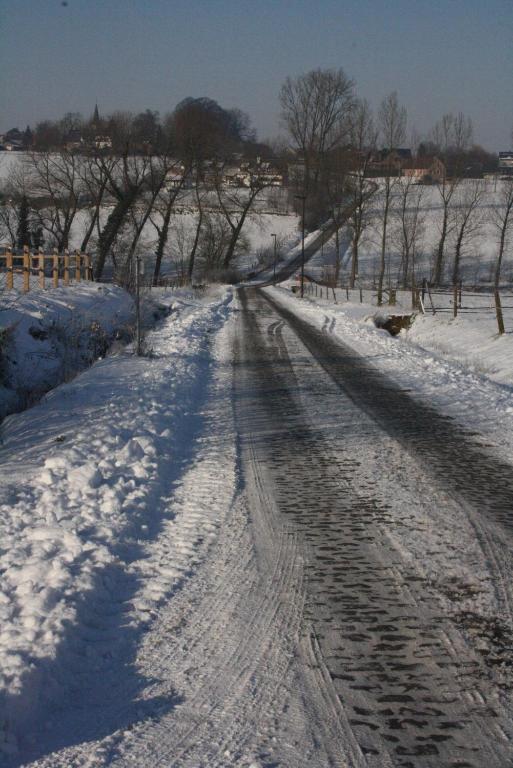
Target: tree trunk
112	227
439	262
161	244
354	260
337	256
501	254
192	256
457	257
382	266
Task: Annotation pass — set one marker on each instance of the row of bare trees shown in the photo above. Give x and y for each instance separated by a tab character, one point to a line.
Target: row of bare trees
113	198
336	136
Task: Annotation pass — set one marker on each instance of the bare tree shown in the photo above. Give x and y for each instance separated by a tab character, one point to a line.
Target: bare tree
392	126
446	189
54	178
410	228
215	239
336	189
236	205
450	138
9	222
157	170
174	178
127	179
467	221
363	141
502	218
315	109
452	133
200	193
95	172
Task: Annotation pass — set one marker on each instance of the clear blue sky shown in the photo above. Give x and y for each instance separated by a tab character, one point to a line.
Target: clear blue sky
440	55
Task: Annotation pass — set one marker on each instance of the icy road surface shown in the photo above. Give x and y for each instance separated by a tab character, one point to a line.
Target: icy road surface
327	581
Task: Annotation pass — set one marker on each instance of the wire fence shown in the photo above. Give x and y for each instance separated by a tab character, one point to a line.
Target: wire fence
458	300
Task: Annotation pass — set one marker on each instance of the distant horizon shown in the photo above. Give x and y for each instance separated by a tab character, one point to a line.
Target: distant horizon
130	55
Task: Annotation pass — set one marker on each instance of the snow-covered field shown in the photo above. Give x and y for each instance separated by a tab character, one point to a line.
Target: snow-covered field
479	254
96	514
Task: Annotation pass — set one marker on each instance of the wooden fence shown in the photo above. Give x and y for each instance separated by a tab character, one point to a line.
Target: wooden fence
54	267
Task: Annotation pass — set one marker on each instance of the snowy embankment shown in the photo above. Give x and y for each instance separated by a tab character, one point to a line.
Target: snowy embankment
459	365
94	475
46	337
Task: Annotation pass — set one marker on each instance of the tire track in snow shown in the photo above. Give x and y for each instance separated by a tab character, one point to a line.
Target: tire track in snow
415	694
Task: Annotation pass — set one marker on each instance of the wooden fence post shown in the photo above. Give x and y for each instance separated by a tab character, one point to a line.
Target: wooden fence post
88	267
55	268
392	297
26	269
347	292
455	300
498	311
361	296
77	266
66	267
10	272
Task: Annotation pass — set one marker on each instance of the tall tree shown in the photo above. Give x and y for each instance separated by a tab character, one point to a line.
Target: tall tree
502	217
363	142
392	127
315	110
450	138
410	220
94	173
235	205
56	179
467	221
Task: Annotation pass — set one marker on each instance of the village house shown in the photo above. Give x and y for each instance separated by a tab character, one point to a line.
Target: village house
389	161
74	141
506	163
102	142
425	170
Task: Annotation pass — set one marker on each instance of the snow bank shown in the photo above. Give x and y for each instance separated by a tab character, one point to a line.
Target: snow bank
88	473
47	336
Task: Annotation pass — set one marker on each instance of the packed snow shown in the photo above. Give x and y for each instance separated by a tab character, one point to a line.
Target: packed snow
89	480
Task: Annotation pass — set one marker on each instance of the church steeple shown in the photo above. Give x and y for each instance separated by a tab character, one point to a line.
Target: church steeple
96	115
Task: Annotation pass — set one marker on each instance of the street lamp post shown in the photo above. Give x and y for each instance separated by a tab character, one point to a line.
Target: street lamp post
302	198
274	270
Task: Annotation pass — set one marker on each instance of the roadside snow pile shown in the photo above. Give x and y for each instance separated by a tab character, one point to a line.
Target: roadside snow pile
471	339
46	337
459	365
89	474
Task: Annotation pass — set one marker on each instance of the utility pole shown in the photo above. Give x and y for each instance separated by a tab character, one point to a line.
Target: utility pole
274	270
302	198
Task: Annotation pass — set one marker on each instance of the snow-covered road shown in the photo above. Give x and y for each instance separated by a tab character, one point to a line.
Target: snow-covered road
255	548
